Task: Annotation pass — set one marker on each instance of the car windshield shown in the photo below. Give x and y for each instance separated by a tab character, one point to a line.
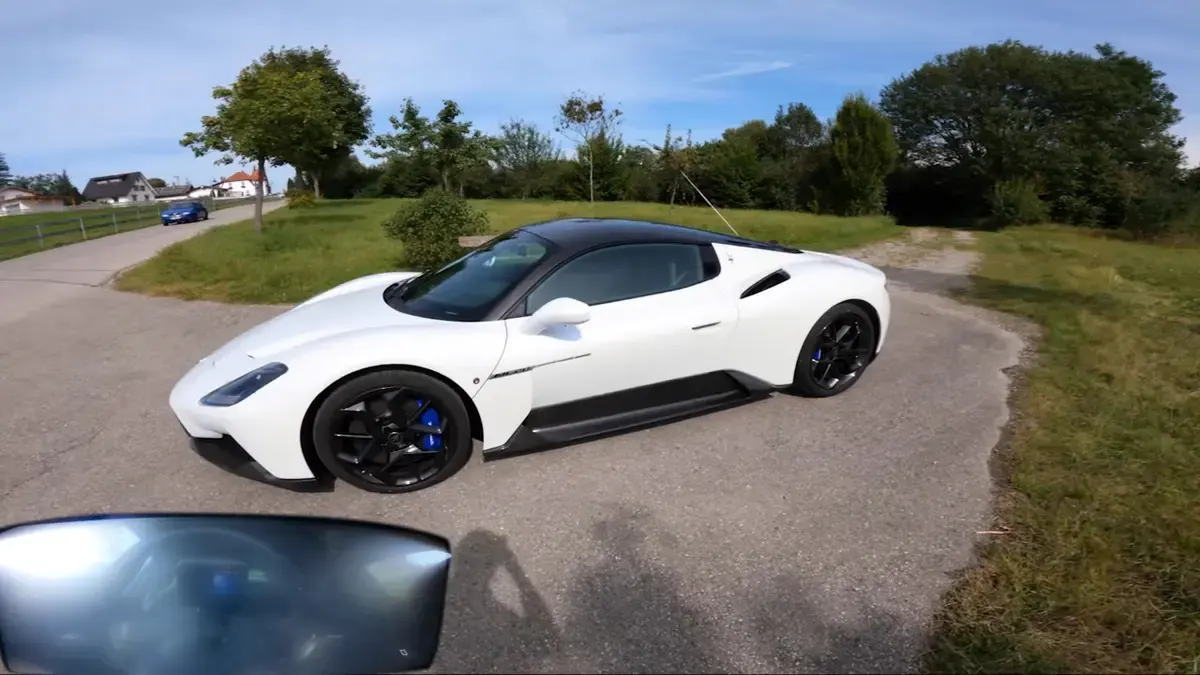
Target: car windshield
183	205
468	288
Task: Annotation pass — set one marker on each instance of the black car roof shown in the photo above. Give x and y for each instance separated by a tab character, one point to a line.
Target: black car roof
582	233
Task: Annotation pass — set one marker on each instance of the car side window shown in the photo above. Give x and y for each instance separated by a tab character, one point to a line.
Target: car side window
625	272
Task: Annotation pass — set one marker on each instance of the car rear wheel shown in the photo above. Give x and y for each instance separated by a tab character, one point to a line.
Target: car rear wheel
392	431
836	352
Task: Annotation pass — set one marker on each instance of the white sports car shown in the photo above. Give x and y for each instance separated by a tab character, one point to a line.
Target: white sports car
549	334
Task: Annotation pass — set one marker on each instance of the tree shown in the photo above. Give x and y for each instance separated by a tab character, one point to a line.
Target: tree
447	145
583	120
263	117
322	148
157	183
862	152
62	186
1080	125
607	176
49	184
523	151
5	172
795	131
676	158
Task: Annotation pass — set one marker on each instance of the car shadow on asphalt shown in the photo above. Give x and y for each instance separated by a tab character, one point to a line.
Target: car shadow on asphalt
628	614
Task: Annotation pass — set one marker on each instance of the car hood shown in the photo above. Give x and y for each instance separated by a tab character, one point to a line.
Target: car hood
354	306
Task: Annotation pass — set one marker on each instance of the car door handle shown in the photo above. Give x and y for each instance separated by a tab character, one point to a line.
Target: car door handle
706	325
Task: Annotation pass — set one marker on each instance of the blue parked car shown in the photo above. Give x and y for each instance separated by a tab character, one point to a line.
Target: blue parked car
184	212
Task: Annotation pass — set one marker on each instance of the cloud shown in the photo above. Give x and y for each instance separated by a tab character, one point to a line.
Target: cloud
752	68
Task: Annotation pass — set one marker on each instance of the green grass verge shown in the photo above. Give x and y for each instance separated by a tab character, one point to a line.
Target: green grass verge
1101	569
19	233
303	252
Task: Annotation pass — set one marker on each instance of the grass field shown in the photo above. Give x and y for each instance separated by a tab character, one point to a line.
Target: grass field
19	234
303	252
1101	569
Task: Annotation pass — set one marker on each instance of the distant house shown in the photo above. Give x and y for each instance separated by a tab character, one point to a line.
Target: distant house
241	184
206	191
119	188
170	192
14	200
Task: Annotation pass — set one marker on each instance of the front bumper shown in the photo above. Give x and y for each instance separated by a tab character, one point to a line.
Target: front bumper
225	453
266	427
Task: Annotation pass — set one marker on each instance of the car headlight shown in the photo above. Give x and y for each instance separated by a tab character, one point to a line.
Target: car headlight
237	390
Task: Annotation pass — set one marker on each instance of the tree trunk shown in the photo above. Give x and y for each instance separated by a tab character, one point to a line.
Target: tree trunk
591	176
446	180
316	183
258	195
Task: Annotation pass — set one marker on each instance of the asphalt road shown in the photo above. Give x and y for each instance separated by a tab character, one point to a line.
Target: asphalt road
35	282
788	535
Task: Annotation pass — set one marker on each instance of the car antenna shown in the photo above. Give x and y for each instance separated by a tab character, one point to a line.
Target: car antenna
710	204
689	180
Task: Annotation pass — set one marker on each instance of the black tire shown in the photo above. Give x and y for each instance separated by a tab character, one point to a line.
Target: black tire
205	216
828	366
428	467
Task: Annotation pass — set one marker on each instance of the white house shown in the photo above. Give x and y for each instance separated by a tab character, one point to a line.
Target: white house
241	184
206	191
120	188
14	200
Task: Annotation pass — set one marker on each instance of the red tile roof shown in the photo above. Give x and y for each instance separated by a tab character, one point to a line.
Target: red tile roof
242	175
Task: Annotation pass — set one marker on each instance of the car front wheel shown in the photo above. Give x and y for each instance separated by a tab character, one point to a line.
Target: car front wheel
392	431
836	352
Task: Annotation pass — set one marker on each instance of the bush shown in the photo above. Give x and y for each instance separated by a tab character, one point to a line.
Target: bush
1164	210
300	199
429	228
1076	210
1017	202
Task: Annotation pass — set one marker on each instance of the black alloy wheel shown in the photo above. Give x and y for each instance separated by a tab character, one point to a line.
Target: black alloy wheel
392	431
836	352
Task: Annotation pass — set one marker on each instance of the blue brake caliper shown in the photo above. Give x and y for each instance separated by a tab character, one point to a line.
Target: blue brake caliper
817	355
430	418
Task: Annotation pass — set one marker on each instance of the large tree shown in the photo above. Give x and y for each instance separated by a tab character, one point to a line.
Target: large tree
5	172
523	151
50	184
1092	130
862	152
264	117
323	148
447	144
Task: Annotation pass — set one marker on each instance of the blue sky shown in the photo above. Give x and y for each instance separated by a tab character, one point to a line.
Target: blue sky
107	87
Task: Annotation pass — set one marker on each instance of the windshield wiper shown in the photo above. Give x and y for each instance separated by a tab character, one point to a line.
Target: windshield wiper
393	292
402	288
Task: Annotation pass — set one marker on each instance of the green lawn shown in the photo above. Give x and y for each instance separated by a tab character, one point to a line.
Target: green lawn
303	252
1101	569
19	234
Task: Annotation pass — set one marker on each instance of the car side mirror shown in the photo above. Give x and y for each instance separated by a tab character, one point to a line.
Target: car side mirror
106	592
558	312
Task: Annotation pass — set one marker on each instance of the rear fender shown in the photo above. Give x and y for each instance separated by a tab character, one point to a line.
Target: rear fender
773	324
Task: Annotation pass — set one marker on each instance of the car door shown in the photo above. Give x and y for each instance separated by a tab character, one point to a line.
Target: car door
656	315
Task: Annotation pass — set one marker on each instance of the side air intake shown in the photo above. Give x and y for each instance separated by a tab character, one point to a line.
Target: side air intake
770	281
